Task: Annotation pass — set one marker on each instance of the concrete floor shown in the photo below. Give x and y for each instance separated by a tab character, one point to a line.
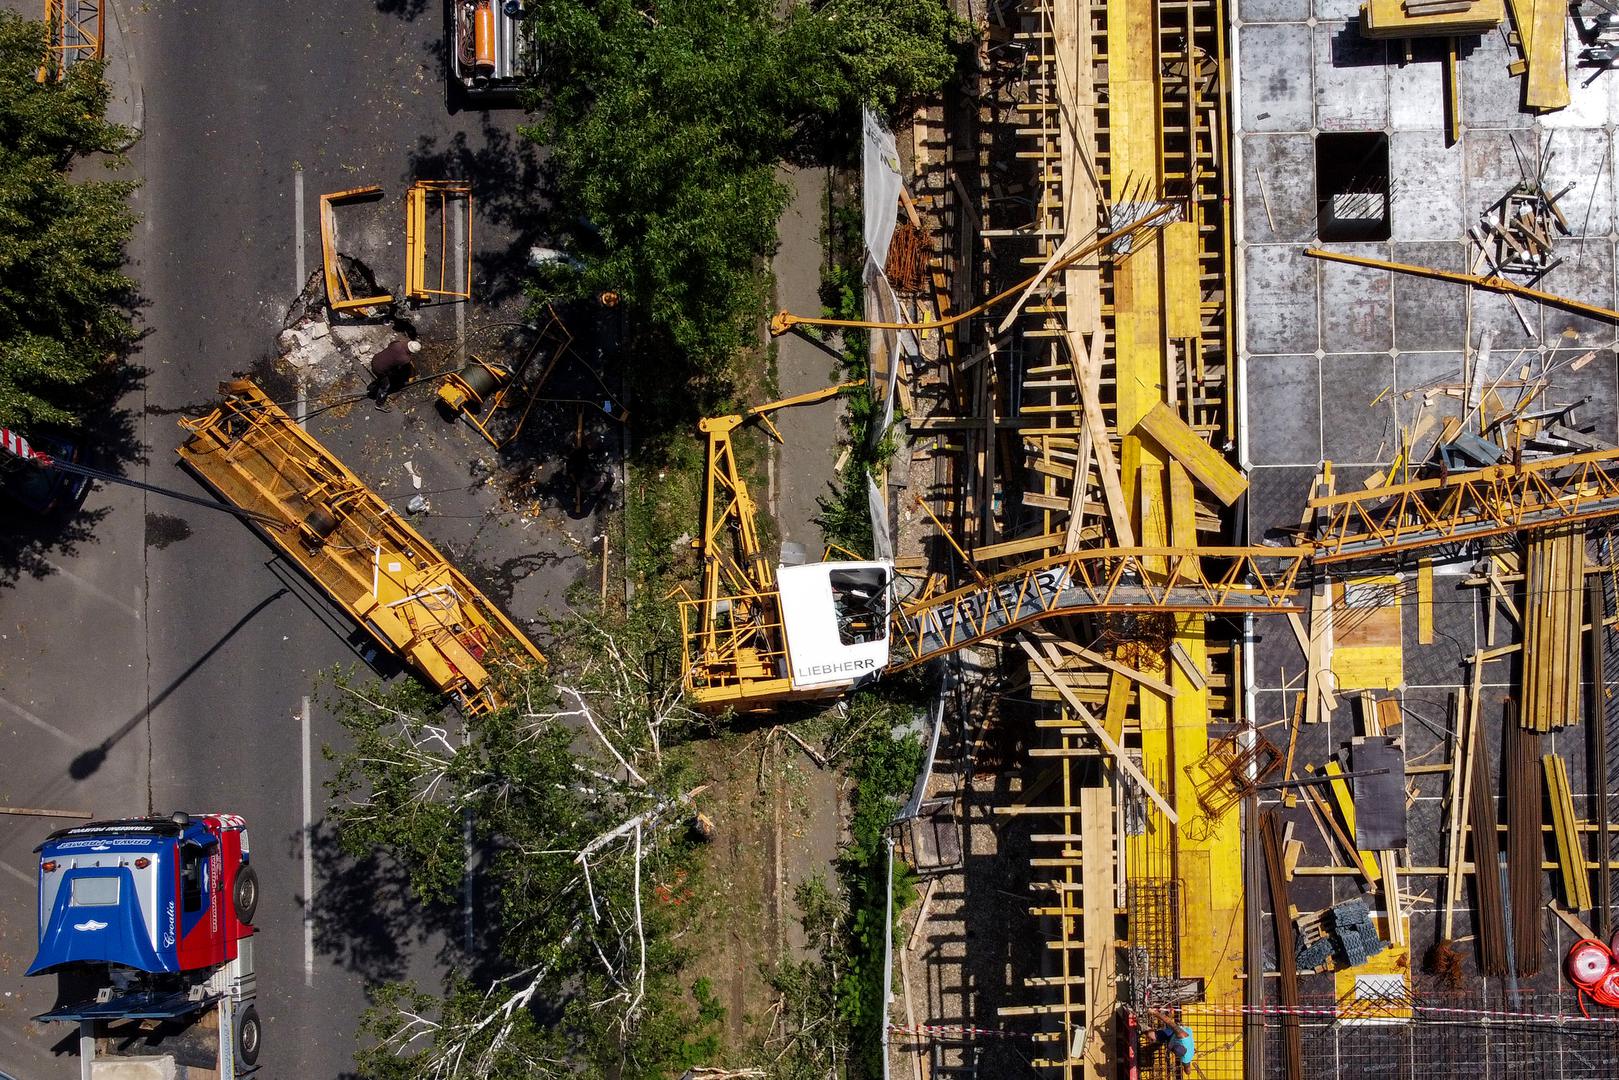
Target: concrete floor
1330	353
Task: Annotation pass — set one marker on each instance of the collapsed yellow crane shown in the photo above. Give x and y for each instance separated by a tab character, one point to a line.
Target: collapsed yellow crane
380	571
760	634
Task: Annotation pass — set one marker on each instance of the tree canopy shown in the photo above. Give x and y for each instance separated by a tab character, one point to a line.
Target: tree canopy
64	298
667	122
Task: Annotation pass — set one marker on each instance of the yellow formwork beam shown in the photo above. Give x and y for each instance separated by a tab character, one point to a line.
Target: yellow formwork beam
380	571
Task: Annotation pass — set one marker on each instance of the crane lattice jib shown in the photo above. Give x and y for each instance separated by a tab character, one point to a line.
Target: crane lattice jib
1212	581
1466	506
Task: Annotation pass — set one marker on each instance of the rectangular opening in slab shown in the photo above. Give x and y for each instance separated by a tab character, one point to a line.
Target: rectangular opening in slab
1352	185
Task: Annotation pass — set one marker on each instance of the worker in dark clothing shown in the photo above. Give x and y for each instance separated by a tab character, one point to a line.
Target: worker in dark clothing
391	369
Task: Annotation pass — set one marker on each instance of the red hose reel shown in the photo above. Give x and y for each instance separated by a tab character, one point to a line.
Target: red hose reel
1594	970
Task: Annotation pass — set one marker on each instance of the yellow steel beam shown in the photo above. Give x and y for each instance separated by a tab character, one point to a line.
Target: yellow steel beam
1466	506
1492	283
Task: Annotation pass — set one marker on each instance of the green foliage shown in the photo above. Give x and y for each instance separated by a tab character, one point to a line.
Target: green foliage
883	766
665	128
598	952
64	300
845	514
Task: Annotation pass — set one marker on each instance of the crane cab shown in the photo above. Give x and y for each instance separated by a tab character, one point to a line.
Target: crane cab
835	616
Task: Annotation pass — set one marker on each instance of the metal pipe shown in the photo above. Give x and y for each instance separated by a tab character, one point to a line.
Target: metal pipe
1492	283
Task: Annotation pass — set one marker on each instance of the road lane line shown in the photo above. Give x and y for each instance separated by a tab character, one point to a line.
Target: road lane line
26	879
94	589
303	272
309	860
42	725
461	257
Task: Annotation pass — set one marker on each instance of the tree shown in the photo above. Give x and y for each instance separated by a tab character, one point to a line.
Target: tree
577	813
64	299
666	124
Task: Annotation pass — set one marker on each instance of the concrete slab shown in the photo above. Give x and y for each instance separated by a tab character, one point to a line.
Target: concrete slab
1425	187
1280	171
1291	434
1277	89
1489	98
1281	314
1428	314
1252	11
1357	303
1352	428
1417	87
1351	86
1587	274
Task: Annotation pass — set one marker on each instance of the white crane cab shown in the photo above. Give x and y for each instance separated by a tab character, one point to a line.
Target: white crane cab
835	616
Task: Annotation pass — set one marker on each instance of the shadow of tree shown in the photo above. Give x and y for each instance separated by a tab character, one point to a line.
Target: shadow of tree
367	920
28	544
409	10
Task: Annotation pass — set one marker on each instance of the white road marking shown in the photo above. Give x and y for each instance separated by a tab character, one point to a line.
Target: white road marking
37	722
461	257
26	879
309	859
94	589
303	272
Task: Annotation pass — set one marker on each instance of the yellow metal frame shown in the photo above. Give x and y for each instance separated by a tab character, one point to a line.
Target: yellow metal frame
1251	580
416	200
1466	506
736	646
75	29
339	293
384	574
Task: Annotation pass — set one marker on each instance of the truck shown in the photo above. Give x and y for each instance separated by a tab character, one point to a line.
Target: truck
489	50
148	925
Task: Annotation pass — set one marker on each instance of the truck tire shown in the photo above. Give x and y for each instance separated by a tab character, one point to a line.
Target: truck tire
248	1035
245	895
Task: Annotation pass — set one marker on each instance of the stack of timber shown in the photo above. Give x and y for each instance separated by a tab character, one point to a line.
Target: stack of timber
1553	610
1429	18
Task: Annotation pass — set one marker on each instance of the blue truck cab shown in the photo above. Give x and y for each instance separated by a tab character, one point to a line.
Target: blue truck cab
156	914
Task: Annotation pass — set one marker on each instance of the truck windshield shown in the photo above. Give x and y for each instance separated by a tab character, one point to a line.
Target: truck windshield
95	891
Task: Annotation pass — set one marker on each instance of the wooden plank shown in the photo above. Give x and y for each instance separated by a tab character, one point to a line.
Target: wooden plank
1425	602
1183	660
1107	465
1102	660
1346	809
1183	317
1205	464
1548	68
1565	827
1119	754
1026	546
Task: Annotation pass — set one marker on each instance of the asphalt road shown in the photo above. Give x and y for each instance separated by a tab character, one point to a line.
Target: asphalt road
166	660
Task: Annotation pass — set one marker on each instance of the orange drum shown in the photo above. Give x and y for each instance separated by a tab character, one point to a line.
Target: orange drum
483	37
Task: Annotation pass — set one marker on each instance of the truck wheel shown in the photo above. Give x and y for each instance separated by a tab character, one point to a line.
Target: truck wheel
246	894
248	1034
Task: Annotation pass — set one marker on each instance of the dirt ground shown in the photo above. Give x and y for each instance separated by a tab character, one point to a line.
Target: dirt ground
777	818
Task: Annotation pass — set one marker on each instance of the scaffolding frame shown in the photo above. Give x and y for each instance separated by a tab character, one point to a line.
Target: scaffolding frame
339	291
417	197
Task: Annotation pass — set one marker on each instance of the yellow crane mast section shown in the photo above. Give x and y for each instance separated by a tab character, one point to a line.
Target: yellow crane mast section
382	572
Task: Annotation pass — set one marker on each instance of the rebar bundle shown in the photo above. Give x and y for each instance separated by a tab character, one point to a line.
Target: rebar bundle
1525	846
1489	919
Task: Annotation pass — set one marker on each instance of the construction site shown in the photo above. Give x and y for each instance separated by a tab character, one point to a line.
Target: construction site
1255	370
